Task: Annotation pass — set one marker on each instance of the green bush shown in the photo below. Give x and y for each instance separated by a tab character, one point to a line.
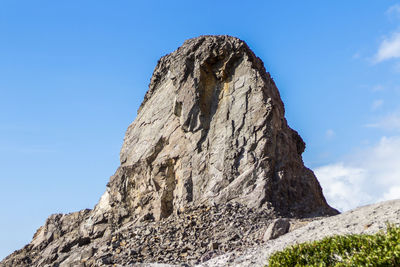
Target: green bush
381	249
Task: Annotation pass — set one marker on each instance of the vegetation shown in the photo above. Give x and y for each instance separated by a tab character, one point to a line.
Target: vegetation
381	249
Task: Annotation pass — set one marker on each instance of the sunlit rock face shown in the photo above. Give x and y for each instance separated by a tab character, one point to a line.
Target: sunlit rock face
211	129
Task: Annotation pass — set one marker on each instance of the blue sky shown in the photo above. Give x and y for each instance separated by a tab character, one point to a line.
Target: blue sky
73	73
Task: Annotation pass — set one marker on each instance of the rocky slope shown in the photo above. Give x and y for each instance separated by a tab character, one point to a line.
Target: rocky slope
364	220
206	166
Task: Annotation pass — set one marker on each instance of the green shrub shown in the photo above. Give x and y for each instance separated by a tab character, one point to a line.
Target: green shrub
381	249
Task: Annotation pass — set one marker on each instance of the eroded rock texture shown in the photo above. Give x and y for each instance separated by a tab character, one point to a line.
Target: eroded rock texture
211	130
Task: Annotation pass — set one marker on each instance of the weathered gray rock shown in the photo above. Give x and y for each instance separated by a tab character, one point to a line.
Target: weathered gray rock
210	133
212	130
364	220
277	228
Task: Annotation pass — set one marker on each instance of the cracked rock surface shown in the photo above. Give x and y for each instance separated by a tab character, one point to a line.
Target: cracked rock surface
210	135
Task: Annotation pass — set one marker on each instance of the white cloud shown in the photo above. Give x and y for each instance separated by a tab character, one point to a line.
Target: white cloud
389	122
342	185
389	48
368	176
393	193
376	104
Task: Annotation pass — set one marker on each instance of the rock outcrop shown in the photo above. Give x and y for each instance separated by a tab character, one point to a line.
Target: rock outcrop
211	130
210	133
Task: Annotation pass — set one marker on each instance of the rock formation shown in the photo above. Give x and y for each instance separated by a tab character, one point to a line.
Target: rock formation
210	135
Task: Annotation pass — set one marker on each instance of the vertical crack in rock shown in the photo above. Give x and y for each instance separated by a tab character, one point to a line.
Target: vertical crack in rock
167	179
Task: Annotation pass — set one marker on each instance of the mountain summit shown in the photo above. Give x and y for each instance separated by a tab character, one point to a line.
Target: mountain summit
210	136
212	130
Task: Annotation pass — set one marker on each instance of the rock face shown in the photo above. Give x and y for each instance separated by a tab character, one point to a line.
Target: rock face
210	131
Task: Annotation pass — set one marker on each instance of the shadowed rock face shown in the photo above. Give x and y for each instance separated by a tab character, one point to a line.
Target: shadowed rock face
211	130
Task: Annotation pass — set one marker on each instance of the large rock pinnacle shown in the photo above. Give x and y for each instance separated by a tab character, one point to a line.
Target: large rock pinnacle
210	141
211	129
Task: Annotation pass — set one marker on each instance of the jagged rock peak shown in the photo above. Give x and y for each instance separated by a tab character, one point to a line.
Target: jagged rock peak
199	50
211	129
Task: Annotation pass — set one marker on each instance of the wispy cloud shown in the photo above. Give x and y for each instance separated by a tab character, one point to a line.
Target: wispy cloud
356	55
389	122
377	88
329	134
365	177
393	10
377	104
389	48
